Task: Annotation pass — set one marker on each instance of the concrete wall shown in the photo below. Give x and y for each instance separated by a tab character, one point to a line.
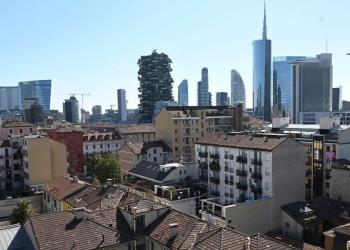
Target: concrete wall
288	177
6	206
185	205
127	158
340	184
295	230
58	159
16	131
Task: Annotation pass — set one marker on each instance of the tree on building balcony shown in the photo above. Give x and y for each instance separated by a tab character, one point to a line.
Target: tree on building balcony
156	82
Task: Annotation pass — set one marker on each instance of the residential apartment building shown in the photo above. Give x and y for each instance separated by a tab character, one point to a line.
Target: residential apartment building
6	166
181	127
132	153
136	132
339	181
324	142
16	128
43	160
72	136
101	143
249	172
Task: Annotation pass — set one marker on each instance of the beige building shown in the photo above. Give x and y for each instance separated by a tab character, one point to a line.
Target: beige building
136	132
43	160
340	181
181	127
132	153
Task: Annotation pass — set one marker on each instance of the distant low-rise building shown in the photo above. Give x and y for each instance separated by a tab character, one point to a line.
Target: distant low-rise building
101	143
136	132
16	128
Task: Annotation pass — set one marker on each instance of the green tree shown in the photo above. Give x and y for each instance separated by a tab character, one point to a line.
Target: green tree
156	83
22	211
108	167
92	162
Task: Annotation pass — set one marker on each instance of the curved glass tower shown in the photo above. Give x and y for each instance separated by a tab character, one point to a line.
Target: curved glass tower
237	89
262	75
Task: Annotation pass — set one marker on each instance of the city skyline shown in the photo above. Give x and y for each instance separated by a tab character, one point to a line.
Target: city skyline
305	36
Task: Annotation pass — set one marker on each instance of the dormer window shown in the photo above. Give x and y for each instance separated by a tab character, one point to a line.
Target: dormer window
140	222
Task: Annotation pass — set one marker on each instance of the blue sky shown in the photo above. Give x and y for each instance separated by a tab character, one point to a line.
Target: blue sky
88	46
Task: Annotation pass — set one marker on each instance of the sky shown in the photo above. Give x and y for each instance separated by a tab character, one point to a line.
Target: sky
89	46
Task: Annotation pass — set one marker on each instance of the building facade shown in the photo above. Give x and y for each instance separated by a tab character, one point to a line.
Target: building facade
180	127
249	172
237	89
9	98
72	137
71	110
182	93
282	82
122	105
203	89
40	89
337	101
131	133
262	76
222	99
312	85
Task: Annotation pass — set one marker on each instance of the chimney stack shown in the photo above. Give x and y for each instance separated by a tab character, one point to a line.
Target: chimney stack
79	213
173	230
109	182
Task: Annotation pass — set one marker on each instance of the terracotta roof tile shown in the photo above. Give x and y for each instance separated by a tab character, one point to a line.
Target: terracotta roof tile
18	124
142	206
243	140
63	186
344	229
142	147
5	144
67	129
77	198
291	241
135	128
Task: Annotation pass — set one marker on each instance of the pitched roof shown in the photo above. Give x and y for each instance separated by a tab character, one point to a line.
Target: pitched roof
62	230
142	147
259	241
14	237
291	241
344	229
18	124
341	163
151	170
135	128
243	140
66	129
63	186
5	144
141	206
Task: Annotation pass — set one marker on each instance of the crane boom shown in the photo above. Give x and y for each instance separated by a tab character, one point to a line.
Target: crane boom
82	98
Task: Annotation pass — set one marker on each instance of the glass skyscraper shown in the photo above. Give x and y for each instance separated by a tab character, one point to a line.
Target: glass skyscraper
282	81
9	98
262	75
182	93
40	89
203	89
237	89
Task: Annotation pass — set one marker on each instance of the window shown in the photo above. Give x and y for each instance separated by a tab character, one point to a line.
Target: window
196	130
175	131
185	171
267	156
327	184
202	125
101	146
107	145
10	130
116	145
267	171
327	195
267	185
175	139
196	121
175	122
176	149
155	159
93	146
140	222
21	130
152	245
55	203
286	224
180	172
154	151
30	130
86	147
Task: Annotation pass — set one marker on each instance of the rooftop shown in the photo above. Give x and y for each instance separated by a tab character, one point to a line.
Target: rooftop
66	129
142	147
243	140
14	237
341	164
291	242
5	144
18	124
63	186
141	206
135	128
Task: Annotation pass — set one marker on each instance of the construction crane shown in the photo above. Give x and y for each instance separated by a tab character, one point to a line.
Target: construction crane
82	98
111	106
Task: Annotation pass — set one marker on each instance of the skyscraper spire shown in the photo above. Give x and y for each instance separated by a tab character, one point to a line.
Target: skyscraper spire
264	35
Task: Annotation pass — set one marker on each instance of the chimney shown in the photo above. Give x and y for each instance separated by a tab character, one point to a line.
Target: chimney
109	182
173	230
75	178
79	213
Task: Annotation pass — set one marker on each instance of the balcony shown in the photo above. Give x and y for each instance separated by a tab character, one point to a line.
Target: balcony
4	157
231	183
307	186
226	194
226	169
203	165
241	173
203	154
187	151
231	196
308	173
203	178
226	182
226	157
215	156
257	176
187	125
215	166
215	193
242	199
241	159
231	157
328	176
187	135
256	162
214	180
241	186
257	190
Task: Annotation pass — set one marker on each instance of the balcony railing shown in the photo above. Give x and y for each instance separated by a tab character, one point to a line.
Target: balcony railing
226	194
241	186
241	173
187	125
231	183
226	182
214	180
257	190
231	157
203	165
226	169
215	166
215	193
187	134
215	156
241	159
256	161
257	176
203	154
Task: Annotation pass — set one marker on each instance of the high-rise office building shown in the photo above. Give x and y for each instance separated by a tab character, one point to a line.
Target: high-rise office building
97	110
203	89
282	82
262	75
122	105
209	97
237	89
221	99
40	89
71	110
9	98
312	83
182	93
337	100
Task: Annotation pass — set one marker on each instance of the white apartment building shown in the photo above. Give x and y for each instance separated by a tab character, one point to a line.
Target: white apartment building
249	176
101	143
